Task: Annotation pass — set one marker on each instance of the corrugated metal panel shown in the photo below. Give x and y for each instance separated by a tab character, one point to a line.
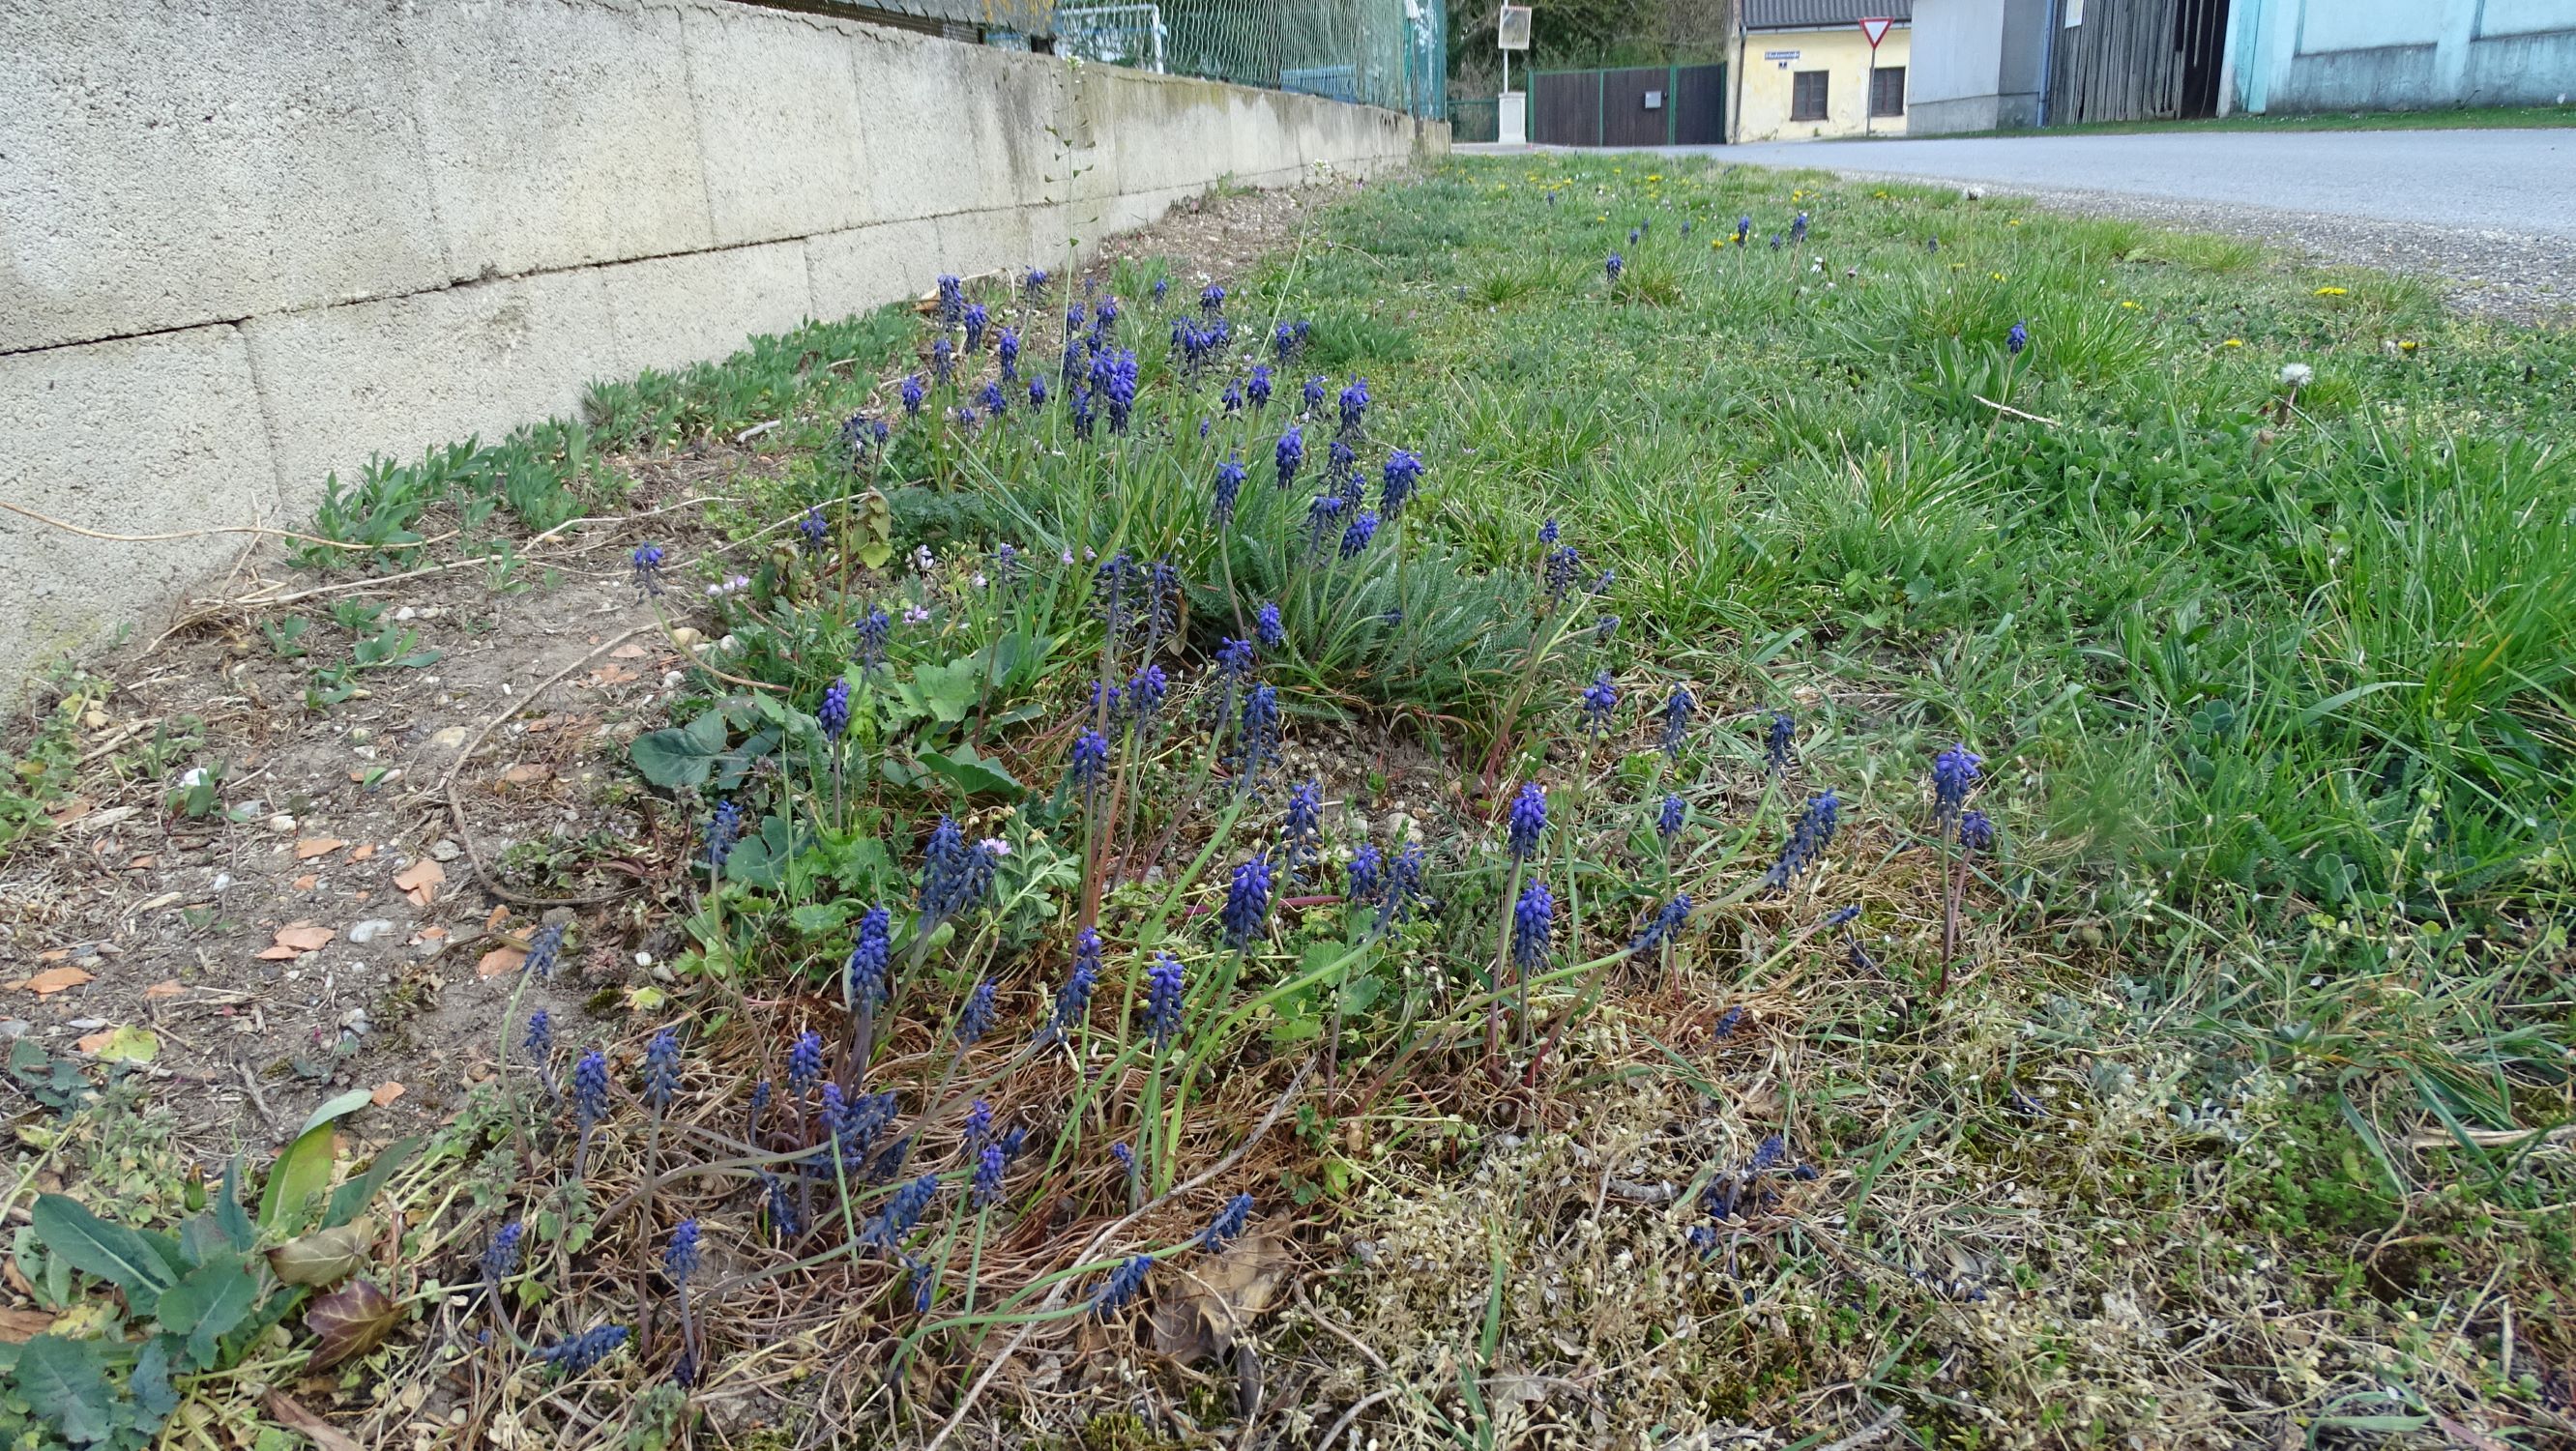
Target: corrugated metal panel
1791	14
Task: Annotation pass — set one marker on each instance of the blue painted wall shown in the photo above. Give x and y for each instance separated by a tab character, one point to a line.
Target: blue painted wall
2328	55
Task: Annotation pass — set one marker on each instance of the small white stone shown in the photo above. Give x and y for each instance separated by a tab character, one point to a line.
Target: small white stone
369	930
281	822
445	849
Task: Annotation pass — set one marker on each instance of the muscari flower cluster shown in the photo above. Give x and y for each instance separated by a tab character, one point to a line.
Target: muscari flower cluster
1663	926
1954	775
648	570
1247	901
724	828
1808	838
662	1070
1777	740
1527	822
1533	925
1073	999
1600	699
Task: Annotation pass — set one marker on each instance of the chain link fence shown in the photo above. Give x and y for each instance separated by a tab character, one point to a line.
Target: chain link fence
1391	53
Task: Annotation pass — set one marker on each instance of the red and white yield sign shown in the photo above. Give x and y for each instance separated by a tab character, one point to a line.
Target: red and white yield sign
1875	28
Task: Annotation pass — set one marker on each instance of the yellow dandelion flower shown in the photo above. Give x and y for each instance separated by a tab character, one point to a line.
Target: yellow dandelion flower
2408	345
2233	343
2015	222
2129	304
1996	276
1654	176
2330	292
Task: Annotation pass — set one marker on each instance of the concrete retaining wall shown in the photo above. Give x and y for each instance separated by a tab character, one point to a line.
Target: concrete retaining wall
244	245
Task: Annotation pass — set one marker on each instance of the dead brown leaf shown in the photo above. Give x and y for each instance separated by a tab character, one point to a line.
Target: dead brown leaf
421	881
71	810
1198	1313
53	980
20	1326
320	1432
363	852
527	774
314	846
629	652
305	937
386	1092
166	988
307	882
498	961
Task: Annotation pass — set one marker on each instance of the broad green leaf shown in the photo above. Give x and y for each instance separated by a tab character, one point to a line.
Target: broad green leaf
814	919
325	1255
202	1240
947	691
970	774
733	767
63	1383
761	859
352	1197
207	1303
336	1109
152	1388
229	1212
682	756
110	1251
304	1170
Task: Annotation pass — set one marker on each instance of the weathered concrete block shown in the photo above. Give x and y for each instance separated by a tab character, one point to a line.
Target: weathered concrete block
955	128
868	267
972	242
777	108
167	164
397	376
671	311
556	135
141	436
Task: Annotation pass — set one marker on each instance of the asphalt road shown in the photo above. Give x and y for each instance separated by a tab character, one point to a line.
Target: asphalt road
2520	183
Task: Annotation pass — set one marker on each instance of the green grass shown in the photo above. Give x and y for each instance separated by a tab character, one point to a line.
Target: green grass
2233	1115
2288	628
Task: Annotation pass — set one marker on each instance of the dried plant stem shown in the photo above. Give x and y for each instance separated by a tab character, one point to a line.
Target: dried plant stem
1055	1296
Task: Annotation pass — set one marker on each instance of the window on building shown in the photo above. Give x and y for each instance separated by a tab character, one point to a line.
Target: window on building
1887	91
1807	96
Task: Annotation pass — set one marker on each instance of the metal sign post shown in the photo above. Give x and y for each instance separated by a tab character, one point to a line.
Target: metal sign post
1874	28
1511	114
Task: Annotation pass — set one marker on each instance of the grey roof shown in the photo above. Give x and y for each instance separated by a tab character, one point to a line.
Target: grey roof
1790	14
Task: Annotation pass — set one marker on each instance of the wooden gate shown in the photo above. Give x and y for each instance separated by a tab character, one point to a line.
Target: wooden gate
2134	60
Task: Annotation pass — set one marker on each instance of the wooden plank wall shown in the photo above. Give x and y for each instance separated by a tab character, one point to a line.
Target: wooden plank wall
2124	63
